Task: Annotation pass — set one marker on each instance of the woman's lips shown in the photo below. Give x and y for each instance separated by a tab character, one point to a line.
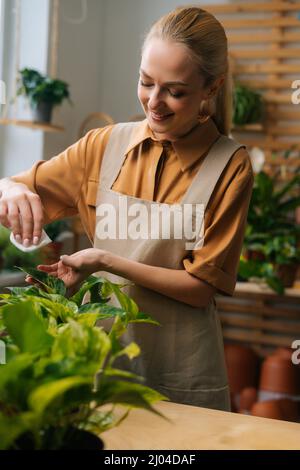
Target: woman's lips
160	117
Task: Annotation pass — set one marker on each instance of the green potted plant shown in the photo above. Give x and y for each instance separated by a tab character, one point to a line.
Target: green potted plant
247	106
42	92
271	244
60	385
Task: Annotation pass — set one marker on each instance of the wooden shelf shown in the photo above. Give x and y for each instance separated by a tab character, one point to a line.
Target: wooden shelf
249	128
38	126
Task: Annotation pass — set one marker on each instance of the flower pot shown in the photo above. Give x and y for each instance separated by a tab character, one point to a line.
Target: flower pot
248	397
289	409
242	365
287	274
82	440
279	375
268	409
43	112
74	439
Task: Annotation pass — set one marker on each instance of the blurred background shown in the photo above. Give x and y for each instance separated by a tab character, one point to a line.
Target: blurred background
72	65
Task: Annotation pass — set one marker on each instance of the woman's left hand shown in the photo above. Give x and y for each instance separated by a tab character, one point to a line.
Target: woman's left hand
74	269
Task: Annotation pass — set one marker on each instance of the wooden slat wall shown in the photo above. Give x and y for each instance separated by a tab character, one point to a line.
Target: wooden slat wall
260	319
269	53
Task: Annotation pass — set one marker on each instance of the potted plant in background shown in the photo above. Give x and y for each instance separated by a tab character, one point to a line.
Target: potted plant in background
60	385
42	92
247	106
271	245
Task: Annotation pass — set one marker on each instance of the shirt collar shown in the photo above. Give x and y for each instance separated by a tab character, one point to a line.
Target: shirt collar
188	148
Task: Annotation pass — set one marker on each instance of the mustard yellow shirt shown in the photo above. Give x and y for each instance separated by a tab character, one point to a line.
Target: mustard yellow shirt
157	171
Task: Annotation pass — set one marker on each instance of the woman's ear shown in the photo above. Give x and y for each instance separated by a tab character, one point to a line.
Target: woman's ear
214	88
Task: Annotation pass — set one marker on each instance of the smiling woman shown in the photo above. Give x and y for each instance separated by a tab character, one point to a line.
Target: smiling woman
180	155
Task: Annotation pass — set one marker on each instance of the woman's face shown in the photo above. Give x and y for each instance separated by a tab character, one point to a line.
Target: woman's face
170	89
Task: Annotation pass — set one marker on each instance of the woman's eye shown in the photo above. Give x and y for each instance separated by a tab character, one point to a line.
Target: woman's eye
145	84
175	94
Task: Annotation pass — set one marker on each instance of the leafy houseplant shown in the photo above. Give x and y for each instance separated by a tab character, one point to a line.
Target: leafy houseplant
271	245
248	106
43	93
60	385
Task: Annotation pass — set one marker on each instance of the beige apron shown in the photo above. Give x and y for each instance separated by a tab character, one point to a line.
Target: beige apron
183	358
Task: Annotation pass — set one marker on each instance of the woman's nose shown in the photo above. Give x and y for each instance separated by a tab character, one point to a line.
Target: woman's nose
155	98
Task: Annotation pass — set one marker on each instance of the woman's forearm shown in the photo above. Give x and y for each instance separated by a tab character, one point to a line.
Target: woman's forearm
177	284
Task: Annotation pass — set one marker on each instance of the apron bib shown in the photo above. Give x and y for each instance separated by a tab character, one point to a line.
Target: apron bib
183	358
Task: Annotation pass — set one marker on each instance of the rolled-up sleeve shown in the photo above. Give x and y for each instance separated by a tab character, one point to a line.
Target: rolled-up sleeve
225	221
59	180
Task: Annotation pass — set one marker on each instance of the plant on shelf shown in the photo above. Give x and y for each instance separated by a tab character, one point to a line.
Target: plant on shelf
271	245
247	106
42	92
60	385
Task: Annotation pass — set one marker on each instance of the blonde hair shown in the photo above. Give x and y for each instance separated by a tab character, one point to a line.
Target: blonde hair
205	39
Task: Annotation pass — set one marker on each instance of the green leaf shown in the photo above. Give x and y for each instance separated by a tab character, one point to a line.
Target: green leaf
52	284
126	302
13	369
275	284
131	351
128	393
102	310
45	395
93	284
26	328
81	341
11	427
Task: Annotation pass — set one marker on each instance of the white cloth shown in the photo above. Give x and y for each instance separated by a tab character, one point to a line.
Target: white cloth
45	240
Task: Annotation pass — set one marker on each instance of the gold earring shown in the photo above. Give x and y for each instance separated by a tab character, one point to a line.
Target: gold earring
203	115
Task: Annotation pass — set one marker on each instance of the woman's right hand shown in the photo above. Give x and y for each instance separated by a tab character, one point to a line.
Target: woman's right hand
21	211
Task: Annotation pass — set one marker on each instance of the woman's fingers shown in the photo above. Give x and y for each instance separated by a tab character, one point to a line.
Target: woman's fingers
48	267
21	210
3	214
70	261
13	217
38	216
25	231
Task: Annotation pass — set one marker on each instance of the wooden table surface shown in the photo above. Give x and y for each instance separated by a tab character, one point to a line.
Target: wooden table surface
199	428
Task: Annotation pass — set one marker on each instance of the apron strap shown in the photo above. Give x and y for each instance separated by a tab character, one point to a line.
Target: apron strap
115	153
210	171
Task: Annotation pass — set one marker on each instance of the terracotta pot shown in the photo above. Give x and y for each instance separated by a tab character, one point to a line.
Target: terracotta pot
268	409
289	409
287	274
241	363
283	352
248	397
278	374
